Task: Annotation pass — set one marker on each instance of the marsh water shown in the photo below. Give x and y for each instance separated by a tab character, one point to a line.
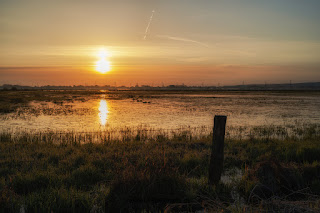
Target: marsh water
163	110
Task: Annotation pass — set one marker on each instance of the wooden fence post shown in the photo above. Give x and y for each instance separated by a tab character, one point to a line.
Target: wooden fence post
217	155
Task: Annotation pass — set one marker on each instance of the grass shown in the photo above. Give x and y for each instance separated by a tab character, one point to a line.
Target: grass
154	172
269	168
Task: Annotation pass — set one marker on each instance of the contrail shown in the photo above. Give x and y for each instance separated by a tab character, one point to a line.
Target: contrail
147	29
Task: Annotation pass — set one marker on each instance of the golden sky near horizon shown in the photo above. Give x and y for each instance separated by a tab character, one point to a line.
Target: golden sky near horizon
154	42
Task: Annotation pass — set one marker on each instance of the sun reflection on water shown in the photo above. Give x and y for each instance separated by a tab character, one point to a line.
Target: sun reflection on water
103	112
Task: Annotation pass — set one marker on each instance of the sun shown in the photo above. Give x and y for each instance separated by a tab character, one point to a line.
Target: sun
103	65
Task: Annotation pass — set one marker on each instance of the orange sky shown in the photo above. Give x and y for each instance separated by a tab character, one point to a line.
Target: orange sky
191	42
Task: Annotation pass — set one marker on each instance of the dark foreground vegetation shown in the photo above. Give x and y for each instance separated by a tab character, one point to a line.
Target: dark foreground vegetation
267	169
40	173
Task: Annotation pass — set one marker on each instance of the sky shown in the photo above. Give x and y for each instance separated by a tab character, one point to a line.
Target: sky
159	42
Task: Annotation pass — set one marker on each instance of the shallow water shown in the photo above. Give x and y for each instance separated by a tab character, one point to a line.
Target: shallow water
166	111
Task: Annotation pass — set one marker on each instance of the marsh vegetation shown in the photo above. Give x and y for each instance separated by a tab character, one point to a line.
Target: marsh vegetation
127	169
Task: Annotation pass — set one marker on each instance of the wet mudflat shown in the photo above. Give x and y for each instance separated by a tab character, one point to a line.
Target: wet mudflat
91	111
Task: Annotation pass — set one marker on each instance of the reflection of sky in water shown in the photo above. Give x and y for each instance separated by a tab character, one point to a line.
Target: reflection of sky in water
164	111
103	112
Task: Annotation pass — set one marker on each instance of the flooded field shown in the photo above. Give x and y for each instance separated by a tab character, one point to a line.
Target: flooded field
99	149
97	111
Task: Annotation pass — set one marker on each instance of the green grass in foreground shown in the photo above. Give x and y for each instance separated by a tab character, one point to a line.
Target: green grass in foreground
155	174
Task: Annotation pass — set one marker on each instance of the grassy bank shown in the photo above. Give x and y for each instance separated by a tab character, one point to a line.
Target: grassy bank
48	173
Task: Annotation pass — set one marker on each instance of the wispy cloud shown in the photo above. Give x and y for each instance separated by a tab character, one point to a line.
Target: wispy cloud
182	39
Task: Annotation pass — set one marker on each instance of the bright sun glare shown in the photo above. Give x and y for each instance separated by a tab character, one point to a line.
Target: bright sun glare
103	112
103	65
